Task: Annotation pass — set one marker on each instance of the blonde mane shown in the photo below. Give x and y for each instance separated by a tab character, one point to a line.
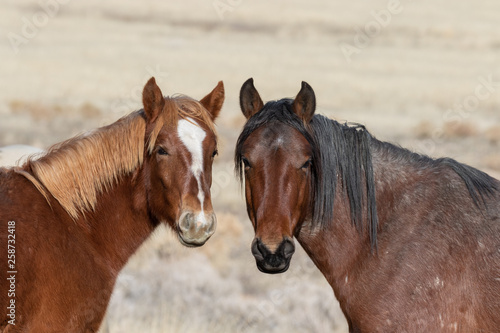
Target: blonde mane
76	171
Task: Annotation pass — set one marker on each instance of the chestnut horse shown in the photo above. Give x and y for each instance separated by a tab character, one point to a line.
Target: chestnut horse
408	243
71	218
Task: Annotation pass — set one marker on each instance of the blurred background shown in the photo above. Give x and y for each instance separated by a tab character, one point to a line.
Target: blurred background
422	74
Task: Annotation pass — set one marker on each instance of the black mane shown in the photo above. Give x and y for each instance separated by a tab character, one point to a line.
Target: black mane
344	152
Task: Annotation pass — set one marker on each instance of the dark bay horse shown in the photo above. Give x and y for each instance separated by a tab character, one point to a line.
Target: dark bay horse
408	243
71	218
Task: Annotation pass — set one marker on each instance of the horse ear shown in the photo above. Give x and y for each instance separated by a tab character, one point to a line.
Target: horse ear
304	104
213	101
250	101
152	99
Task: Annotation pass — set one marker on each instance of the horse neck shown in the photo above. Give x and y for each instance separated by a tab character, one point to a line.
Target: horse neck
120	222
339	248
334	249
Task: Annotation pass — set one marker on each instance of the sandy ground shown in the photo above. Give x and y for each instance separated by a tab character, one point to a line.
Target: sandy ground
423	74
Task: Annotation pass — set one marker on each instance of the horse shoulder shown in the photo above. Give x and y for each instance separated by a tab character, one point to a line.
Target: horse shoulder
48	241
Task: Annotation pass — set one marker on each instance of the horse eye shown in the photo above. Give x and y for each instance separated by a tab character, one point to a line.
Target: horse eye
162	151
246	163
307	164
216	152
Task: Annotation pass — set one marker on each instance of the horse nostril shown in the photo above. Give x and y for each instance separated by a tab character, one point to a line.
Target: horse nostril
186	221
287	248
258	249
212	224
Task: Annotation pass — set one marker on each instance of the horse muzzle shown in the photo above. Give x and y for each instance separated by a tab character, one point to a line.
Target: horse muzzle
196	228
273	263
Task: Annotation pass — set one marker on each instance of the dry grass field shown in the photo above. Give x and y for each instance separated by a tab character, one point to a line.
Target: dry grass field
424	74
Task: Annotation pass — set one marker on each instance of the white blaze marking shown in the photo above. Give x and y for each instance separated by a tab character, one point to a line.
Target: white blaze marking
192	137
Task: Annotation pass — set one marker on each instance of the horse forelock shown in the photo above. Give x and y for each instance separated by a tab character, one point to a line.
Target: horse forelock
273	111
183	107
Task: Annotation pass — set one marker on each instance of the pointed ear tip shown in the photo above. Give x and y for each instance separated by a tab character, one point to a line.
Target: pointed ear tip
151	84
306	85
248	85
